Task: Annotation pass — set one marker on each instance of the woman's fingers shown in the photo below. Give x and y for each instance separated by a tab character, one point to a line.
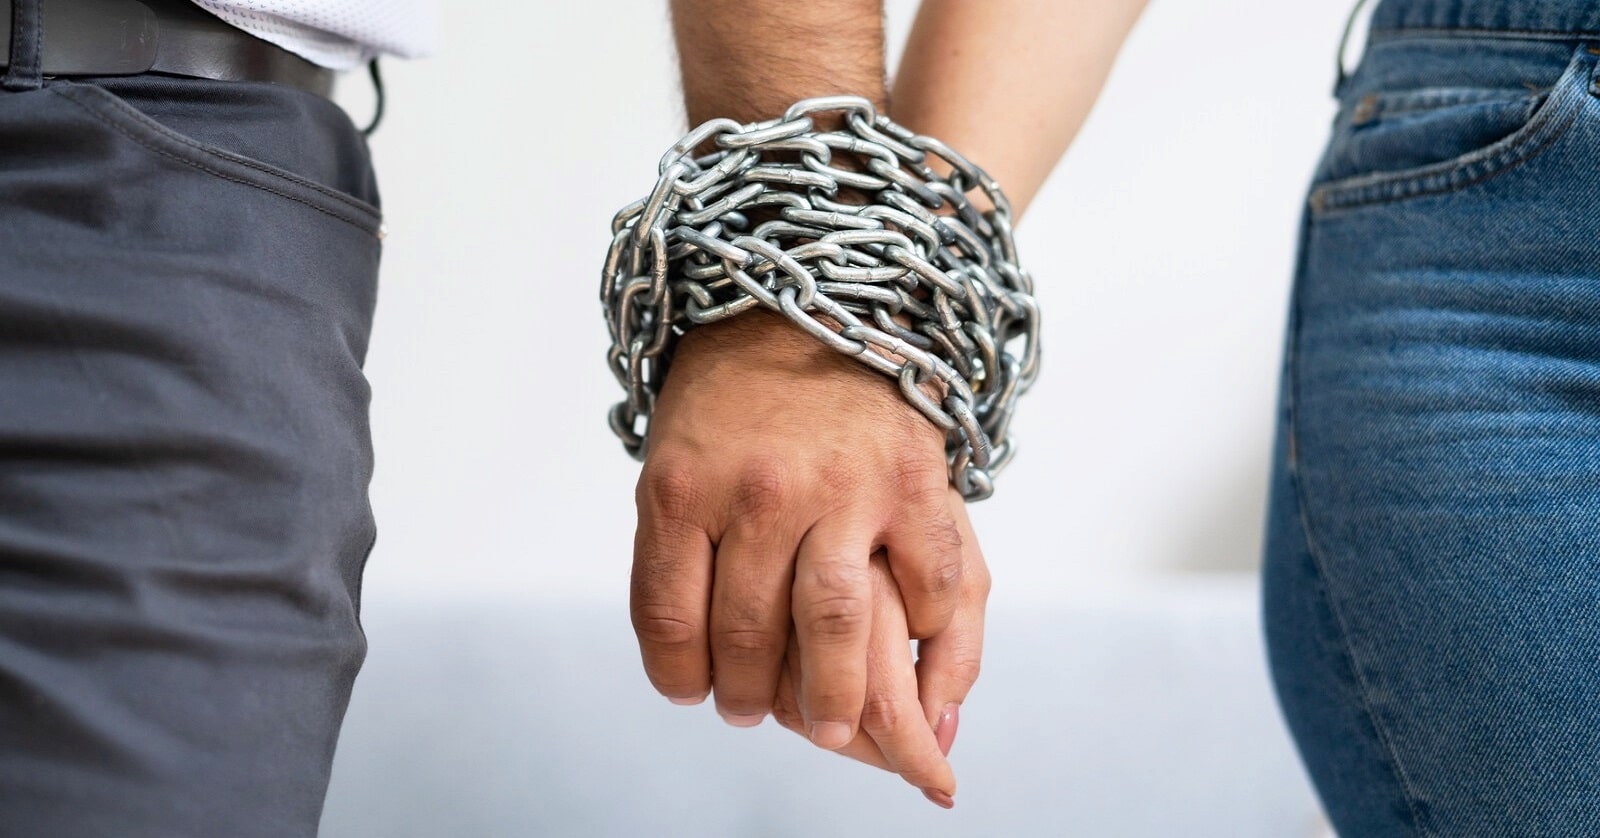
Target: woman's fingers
892	715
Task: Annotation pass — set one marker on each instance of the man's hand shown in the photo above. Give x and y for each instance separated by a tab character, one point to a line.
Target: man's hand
775	468
894	735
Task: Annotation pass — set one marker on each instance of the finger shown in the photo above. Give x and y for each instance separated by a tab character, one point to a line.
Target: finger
891	714
948	662
752	578
786	701
670	592
786	711
832	608
924	547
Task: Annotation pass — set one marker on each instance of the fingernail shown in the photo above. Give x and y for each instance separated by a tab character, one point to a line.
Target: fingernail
686	701
830	735
940	798
945	730
743	719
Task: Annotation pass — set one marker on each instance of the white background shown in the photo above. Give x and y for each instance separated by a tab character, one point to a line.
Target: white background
1162	248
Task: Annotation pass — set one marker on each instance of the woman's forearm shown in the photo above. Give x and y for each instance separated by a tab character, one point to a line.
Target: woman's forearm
1008	82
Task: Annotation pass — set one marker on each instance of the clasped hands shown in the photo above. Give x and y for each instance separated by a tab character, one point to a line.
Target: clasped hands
796	530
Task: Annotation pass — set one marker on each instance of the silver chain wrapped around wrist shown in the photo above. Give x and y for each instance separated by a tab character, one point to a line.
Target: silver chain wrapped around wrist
917	249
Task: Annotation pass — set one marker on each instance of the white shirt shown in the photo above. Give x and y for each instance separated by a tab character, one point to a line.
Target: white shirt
336	33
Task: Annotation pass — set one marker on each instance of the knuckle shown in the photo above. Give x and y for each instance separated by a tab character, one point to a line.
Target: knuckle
838	477
746	645
943	576
881	713
965	670
943	535
761	488
837	616
670	489
665	627
918	478
836	578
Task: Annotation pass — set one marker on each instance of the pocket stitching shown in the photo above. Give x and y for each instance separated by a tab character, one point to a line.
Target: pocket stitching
72	94
1547	125
1434	99
223	154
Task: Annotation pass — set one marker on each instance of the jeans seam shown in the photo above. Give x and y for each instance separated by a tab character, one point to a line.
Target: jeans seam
1391	753
195	164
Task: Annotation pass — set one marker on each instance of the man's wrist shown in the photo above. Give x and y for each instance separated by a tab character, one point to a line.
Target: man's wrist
749	61
787	349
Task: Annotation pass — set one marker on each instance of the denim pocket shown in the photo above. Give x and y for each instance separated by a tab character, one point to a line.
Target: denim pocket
1394	145
135	125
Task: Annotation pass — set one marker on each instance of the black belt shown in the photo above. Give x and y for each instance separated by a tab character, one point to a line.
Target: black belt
128	37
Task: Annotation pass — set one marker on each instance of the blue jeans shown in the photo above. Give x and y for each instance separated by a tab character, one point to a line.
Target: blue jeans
1432	577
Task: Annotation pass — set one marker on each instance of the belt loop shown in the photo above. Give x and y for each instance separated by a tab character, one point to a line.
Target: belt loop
27	31
1344	43
377	87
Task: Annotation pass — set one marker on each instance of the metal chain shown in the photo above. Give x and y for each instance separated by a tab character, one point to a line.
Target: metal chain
917	250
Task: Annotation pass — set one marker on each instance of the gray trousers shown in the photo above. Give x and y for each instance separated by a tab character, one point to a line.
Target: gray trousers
187	277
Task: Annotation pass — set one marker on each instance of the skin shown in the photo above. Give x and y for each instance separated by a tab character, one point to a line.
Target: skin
894	683
768	539
795	522
1008	83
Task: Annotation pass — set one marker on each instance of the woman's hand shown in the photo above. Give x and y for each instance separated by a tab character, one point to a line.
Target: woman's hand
911	712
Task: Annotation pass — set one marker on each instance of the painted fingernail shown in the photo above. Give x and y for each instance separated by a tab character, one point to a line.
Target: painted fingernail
940	798
743	719
686	701
945	731
830	735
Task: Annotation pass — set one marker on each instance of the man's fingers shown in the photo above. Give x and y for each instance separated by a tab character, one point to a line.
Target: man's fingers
832	611
948	662
892	715
750	616
947	666
786	711
925	554
670	592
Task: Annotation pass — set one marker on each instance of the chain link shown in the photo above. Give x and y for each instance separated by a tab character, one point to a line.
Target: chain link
917	249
